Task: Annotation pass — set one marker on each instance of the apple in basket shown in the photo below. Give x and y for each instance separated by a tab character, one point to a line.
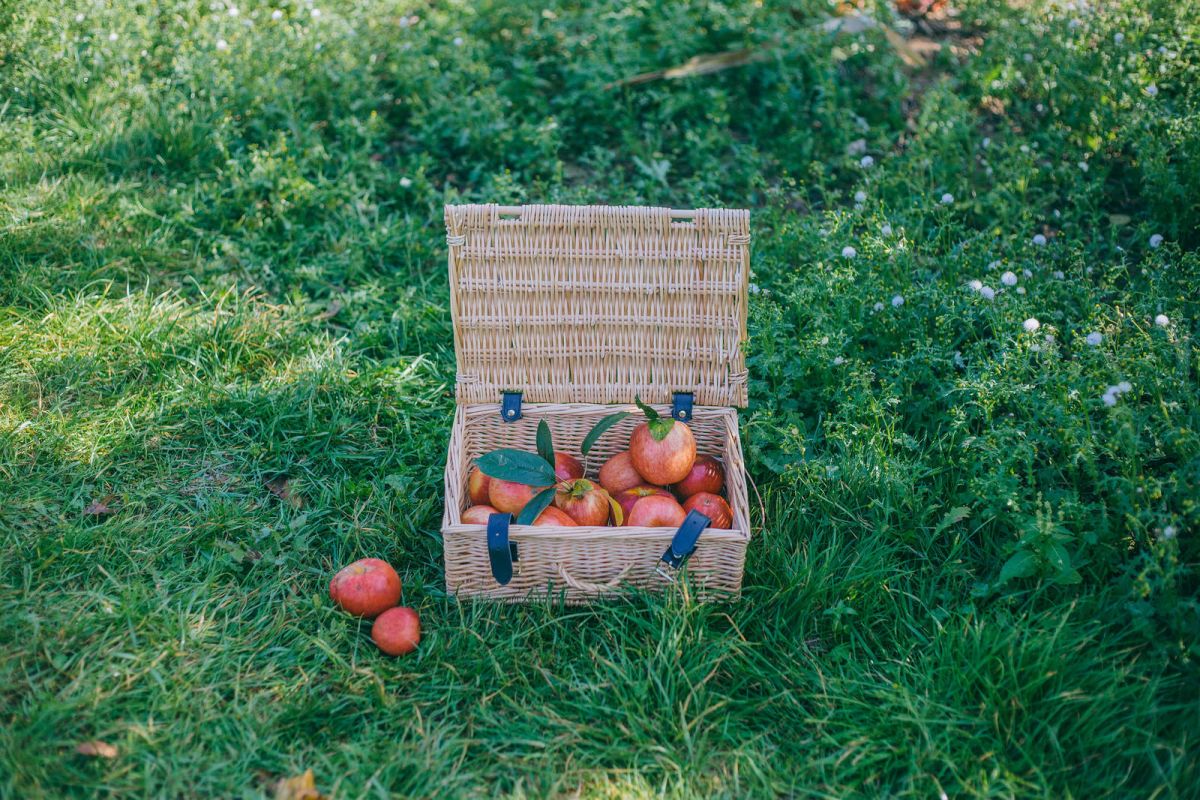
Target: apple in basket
477	486
629	497
567	467
618	474
706	475
510	496
663	450
554	516
477	515
656	511
586	502
712	506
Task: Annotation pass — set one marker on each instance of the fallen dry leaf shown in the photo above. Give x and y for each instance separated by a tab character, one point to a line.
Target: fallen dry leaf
330	312
298	787
281	487
705	64
101	507
96	749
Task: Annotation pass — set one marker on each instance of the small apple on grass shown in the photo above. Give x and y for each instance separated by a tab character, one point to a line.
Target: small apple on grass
366	588
397	631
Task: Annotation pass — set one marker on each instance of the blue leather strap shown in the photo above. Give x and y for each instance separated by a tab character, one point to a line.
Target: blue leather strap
510	406
681	406
684	542
501	552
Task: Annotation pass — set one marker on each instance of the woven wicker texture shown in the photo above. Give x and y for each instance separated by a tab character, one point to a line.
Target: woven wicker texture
597	304
581	564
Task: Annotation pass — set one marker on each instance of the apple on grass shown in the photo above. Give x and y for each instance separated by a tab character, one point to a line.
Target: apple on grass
366	588
397	631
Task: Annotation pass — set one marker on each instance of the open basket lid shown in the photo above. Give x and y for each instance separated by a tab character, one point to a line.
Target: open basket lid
597	304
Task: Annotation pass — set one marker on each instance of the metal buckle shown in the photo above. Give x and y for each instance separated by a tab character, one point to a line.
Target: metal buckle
681	406
510	406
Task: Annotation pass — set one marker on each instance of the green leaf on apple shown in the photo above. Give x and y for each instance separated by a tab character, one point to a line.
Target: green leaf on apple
660	427
545	444
534	508
516	466
599	430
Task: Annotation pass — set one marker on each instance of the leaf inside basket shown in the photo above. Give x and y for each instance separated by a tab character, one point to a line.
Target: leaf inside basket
517	466
545	443
599	430
534	508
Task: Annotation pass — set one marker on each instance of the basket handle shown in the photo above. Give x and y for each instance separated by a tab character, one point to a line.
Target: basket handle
588	586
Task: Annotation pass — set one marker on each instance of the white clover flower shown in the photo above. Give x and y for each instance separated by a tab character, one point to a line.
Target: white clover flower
1009	278
405	182
877	307
1024	148
975	285
277	14
1152	90
753	287
886	229
1156	240
1124	386
958	360
1109	399
1028	273
897	301
824	340
993	264
1094	338
1074	23
1032	324
1058	273
867	162
987	141
1050	338
1083	166
1169	532
112	37
1039	240
1118	37
1028	58
849	252
1020	290
860	196
458	41
222	44
947	199
838	361
80	17
1162	321
316	12
988	293
233	11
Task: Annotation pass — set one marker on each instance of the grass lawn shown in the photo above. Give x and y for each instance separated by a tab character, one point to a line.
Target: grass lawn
974	414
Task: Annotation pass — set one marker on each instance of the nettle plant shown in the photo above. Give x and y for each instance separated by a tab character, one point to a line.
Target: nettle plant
583	499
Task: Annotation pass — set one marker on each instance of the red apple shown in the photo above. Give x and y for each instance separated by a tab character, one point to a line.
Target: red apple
477	515
663	462
567	468
397	631
617	474
712	506
553	516
477	486
366	588
584	501
627	498
706	475
509	496
656	511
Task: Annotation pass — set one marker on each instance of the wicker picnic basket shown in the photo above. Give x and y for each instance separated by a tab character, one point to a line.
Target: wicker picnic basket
566	313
